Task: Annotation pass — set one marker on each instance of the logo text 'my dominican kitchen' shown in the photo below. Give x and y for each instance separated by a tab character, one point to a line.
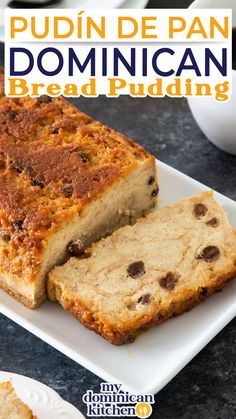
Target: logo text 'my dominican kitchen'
113	402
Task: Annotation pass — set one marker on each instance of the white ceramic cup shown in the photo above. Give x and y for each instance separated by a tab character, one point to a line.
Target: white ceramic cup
217	119
4	3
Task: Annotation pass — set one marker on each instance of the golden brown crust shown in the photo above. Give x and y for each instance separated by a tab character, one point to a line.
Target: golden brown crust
119	336
54	160
19	297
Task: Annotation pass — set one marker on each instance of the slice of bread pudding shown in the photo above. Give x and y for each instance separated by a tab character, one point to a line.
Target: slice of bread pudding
146	273
11	407
63	177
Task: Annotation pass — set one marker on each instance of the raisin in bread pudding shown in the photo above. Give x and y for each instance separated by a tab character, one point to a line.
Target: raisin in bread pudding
11	407
63	176
146	273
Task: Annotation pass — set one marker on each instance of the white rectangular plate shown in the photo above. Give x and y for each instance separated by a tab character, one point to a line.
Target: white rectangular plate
159	354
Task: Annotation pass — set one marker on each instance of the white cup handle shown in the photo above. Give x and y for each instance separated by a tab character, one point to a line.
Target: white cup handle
4	3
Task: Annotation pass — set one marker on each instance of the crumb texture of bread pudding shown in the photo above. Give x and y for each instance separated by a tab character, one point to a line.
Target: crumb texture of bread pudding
144	274
11	407
63	177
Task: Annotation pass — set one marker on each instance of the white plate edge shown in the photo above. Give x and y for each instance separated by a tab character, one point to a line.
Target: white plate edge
18	378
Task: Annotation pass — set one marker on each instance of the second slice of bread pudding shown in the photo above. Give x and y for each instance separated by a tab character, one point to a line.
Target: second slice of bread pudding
11	407
63	177
144	274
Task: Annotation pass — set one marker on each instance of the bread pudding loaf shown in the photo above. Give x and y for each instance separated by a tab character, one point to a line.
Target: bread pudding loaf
11	407
63	177
146	273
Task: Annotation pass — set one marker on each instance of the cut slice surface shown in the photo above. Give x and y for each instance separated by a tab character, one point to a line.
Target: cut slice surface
11	407
146	273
